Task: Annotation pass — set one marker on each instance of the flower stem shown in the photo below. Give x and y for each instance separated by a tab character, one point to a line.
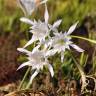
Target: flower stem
87	39
28	86
20	86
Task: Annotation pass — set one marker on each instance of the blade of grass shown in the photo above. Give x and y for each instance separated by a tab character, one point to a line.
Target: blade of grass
26	74
83	76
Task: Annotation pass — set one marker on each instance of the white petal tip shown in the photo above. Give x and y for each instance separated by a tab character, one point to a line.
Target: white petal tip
18	68
51	69
26	20
72	28
19	49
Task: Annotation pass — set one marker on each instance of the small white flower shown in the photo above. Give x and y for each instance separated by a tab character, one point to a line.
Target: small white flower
39	29
62	41
36	59
28	6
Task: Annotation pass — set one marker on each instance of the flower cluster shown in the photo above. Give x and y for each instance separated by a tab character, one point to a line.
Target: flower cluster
46	45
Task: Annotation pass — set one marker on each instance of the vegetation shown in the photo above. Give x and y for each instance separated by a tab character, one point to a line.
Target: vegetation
69	76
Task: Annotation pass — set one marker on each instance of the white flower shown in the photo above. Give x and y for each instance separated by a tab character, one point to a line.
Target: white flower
36	59
62	41
39	29
28	6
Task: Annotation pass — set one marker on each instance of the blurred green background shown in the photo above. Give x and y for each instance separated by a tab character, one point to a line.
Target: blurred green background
69	11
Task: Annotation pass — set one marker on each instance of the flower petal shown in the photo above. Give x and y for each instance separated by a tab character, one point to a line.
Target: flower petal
57	23
77	48
23	50
35	49
26	20
72	28
30	42
28	6
62	56
33	76
24	64
51	69
51	52
46	15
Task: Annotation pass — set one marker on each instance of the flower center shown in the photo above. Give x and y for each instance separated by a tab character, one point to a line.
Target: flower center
61	41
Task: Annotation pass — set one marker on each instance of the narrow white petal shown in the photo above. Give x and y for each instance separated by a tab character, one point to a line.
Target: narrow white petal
35	49
23	50
72	28
30	42
77	48
54	29
26	20
62	57
67	47
33	76
51	52
51	69
24	64
46	15
57	23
